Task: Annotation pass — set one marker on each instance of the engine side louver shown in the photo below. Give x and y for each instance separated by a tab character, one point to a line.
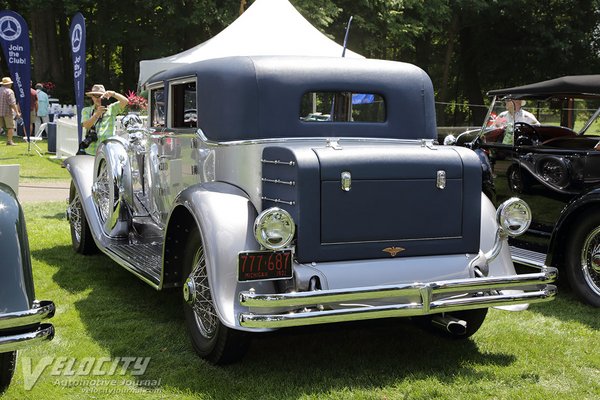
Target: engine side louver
279	180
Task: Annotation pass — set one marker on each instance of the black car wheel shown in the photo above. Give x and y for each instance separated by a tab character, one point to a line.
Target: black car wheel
583	259
81	236
7	369
473	318
211	339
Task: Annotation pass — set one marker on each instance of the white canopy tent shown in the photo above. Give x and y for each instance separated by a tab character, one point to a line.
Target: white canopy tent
268	27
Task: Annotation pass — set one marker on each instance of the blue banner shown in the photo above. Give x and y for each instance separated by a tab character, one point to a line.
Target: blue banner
363	98
77	35
14	35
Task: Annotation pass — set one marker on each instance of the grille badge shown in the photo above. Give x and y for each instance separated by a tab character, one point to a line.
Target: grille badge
393	251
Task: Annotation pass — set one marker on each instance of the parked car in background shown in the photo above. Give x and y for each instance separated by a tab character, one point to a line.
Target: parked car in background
555	167
266	216
21	315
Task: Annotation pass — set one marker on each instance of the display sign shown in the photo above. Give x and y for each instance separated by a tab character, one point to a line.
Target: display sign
77	35
14	36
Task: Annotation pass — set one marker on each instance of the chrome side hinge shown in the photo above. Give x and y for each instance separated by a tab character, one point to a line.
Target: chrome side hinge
346	179
195	170
429	143
440	181
334	144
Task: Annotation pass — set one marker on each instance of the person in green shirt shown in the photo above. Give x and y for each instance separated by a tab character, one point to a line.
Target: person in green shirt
101	117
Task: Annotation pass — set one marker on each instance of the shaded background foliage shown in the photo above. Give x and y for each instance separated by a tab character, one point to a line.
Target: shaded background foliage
467	46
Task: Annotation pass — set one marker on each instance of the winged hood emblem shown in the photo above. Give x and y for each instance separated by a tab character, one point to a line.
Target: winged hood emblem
393	251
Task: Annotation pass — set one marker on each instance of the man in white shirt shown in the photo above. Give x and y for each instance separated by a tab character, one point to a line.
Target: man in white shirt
514	113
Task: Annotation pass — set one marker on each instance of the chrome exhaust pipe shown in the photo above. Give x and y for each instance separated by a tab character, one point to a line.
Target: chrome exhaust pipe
448	323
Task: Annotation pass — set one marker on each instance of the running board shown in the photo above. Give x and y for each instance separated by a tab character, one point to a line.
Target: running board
142	259
526	257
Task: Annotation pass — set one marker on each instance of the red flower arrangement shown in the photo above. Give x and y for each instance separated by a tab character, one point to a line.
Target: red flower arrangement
136	102
48	86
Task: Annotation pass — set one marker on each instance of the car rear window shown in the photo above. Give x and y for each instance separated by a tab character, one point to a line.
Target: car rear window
342	107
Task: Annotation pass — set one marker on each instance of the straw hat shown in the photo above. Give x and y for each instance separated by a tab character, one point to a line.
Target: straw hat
6	81
97	90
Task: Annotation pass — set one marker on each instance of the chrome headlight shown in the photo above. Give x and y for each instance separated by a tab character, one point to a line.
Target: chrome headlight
274	228
514	216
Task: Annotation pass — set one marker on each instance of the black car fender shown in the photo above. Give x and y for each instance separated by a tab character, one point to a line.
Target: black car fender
583	204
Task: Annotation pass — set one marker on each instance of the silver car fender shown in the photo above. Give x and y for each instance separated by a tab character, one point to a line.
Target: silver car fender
225	217
114	152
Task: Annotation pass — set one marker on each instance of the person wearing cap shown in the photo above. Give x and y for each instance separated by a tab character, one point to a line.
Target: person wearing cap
102	117
514	113
8	109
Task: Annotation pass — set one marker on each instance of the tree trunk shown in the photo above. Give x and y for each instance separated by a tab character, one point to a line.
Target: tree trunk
470	72
444	92
46	56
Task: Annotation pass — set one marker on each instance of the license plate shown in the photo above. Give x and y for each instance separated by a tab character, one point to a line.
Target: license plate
264	265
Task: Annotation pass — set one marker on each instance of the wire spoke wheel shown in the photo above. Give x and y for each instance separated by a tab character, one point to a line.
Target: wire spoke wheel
75	215
583	258
102	191
211	339
204	311
590	260
81	236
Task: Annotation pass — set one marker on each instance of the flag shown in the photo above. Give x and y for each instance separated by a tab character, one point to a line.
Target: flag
14	36
77	35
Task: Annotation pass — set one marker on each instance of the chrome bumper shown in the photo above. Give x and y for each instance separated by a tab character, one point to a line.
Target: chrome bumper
27	327
326	306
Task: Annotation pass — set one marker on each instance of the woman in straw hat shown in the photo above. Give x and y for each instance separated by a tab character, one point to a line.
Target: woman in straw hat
101	117
8	106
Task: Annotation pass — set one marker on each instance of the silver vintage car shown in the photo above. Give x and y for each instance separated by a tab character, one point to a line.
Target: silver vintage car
267	217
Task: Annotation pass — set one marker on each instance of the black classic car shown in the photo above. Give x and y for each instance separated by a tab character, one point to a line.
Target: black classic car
305	191
553	162
21	315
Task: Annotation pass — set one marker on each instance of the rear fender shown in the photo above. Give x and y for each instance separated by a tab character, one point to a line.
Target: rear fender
225	217
16	279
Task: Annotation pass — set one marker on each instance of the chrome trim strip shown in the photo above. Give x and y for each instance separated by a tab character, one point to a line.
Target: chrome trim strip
41	310
279	181
42	333
289	203
251	320
209	142
278	162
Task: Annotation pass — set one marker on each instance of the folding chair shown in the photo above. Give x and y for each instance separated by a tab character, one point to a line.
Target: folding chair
36	138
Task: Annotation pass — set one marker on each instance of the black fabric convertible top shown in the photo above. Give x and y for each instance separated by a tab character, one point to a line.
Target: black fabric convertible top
573	85
257	97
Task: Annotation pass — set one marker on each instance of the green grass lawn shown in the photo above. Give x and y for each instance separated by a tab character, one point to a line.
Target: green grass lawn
551	351
33	167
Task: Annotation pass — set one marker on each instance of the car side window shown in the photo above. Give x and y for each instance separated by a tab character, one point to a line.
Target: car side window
342	107
183	112
157	107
